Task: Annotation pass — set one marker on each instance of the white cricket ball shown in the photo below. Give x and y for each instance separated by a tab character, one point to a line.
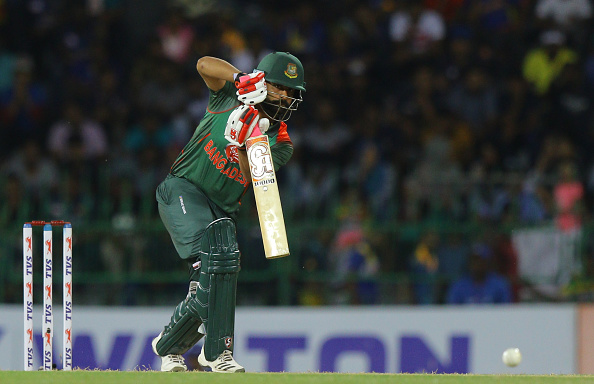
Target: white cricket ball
511	357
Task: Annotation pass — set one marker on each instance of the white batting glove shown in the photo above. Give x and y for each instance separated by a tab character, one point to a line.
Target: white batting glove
240	124
251	88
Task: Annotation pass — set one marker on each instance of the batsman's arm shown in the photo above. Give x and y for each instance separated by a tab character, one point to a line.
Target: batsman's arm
215	72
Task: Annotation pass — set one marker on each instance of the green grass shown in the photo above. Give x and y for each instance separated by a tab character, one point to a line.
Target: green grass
149	377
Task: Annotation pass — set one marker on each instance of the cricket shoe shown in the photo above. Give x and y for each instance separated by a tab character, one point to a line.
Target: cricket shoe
225	363
169	363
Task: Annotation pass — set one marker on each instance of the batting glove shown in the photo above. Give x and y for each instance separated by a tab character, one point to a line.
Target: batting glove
251	88
240	124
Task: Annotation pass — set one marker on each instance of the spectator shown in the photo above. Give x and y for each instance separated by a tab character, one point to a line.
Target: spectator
16	206
432	189
483	285
534	201
36	172
355	266
424	267
110	104
150	173
304	31
492	17
460	55
507	263
417	37
449	9
422	98
76	42
488	186
8	61
512	137
250	51
452	255
570	16
75	200
565	14
146	66
570	105
378	182
417	29
332	135
164	92
554	150
194	9
312	292
150	131
475	100
542	65
569	198
589	64
372	176
23	108
309	192
79	129
188	120
176	36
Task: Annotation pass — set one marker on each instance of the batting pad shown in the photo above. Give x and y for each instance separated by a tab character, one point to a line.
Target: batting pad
182	332
215	297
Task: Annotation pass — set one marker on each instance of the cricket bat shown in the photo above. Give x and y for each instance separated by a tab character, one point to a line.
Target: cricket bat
270	212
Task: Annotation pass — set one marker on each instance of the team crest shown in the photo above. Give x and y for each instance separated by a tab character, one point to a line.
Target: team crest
228	342
291	71
232	154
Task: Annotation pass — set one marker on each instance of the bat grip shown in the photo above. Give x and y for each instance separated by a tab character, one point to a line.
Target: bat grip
256	131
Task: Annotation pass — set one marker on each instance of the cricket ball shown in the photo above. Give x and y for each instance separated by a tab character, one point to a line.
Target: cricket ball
511	357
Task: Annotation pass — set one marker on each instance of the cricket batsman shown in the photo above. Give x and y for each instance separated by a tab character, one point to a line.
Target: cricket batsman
199	200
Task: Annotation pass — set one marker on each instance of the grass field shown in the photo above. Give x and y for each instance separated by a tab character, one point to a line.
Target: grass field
149	377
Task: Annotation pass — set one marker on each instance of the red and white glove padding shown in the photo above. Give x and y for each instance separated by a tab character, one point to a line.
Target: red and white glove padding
251	88
244	122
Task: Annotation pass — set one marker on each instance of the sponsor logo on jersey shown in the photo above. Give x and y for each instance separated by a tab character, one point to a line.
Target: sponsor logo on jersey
232	153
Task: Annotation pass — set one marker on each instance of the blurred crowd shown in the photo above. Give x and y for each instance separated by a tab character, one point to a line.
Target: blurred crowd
416	111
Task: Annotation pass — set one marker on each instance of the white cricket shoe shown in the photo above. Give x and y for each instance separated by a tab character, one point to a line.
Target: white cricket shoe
225	363
169	363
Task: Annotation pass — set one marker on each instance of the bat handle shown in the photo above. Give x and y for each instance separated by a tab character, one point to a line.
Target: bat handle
256	131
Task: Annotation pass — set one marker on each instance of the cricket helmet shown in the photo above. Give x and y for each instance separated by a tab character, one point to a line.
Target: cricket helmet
284	70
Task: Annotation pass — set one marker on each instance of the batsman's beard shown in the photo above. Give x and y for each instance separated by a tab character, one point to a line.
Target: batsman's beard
279	109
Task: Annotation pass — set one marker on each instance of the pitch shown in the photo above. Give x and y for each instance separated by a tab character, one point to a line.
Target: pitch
150	377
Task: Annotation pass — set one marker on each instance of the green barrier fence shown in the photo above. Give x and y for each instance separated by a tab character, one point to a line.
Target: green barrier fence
134	263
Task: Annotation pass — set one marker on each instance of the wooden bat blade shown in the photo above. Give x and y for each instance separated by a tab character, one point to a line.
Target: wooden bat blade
270	212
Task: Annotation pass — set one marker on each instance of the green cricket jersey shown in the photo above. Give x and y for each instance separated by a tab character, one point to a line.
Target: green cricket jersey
211	163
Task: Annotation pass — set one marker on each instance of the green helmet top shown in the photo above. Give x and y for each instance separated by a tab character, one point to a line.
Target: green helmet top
284	69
